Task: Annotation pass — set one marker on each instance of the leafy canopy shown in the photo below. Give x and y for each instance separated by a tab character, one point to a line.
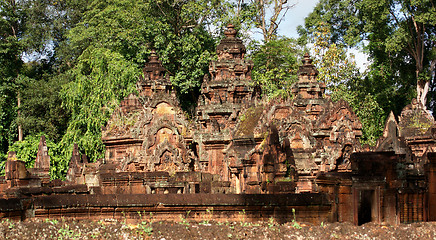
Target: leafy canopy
399	37
344	81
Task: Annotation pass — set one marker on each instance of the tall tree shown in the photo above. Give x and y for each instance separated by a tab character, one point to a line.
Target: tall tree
343	80
275	57
100	79
275	66
398	34
41	108
31	30
11	48
269	15
27	31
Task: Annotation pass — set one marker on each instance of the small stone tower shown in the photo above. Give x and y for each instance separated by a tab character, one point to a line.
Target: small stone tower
228	92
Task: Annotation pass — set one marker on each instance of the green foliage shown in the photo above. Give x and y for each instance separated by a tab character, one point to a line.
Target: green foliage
117	25
180	34
239	13
341	18
10	224
344	82
27	28
276	59
10	64
333	64
66	233
270	222
8	113
276	65
398	36
41	106
295	224
51	221
131	28
184	221
27	149
145	228
369	112
187	56
101	79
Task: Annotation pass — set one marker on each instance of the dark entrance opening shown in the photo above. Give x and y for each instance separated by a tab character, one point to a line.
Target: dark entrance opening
366	206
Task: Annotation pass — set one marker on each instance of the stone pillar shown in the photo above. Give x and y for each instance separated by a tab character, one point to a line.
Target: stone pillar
15	170
74	174
41	168
430	175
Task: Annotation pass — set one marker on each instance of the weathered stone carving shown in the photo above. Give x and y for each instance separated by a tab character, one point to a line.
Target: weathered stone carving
41	168
223	98
301	151
15	169
147	133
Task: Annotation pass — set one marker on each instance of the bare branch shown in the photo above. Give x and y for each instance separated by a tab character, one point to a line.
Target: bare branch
270	25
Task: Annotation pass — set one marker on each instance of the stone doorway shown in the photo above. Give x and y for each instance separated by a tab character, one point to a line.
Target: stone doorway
368	206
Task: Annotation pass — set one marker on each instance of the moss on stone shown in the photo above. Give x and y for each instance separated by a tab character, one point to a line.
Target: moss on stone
248	121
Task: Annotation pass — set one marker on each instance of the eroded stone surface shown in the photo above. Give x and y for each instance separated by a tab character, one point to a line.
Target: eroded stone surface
238	152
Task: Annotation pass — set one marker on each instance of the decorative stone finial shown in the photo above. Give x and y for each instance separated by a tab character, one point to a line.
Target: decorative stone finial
153	69
308	86
153	57
42	160
307	61
307	69
230	47
231	31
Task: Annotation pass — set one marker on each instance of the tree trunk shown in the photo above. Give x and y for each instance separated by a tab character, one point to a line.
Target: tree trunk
20	130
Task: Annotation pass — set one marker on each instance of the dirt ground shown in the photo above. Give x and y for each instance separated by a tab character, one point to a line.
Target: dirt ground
113	229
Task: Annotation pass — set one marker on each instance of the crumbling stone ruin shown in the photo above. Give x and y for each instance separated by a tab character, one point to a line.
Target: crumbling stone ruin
238	154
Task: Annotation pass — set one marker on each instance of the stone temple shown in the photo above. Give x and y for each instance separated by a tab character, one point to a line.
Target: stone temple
238	154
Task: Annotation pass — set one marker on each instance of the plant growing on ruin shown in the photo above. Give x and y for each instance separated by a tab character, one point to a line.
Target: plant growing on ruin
416	122
52	221
9	223
208	216
184	221
295	224
145	228
204	222
66	233
271	222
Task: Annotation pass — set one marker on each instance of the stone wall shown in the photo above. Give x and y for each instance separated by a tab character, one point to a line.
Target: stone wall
309	207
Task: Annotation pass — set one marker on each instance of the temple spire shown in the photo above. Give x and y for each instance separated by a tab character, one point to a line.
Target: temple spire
307	72
230	47
230	32
308	86
154	79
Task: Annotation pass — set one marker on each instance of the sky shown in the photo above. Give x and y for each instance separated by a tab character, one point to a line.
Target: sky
295	17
